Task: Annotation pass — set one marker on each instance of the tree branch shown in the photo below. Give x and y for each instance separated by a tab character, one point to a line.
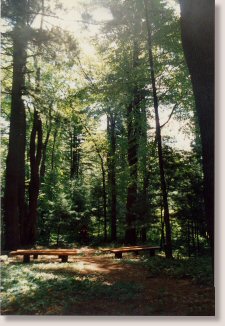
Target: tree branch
170	116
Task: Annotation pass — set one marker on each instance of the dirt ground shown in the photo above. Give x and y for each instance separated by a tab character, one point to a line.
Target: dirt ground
159	295
156	296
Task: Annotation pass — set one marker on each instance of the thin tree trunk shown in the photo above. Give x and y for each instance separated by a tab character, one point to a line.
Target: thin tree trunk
14	200
34	186
103	184
53	149
132	157
44	152
45	143
188	238
104	199
197	237
71	155
144	209
58	234
193	237
74	154
168	245
162	240
112	174
99	219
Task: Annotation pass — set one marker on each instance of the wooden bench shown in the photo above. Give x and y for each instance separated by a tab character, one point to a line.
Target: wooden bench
61	253
135	249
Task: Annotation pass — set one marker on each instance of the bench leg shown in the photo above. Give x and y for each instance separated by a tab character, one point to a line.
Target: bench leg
118	254
152	253
64	259
136	253
26	258
35	256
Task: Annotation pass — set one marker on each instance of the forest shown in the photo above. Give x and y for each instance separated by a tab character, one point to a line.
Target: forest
107	142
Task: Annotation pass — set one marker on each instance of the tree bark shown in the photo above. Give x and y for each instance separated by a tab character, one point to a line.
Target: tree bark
45	144
112	173
53	148
34	186
14	201
197	31
168	245
133	116
132	156
145	172
74	154
188	238
44	152
104	197
162	238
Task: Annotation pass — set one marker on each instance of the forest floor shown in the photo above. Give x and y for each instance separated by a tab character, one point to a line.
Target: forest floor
93	283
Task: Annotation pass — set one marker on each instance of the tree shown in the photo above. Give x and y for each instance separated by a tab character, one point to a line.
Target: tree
14	199
168	245
112	197
34	185
98	156
197	30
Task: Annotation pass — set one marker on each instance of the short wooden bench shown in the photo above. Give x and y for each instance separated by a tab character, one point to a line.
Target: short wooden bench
135	249
61	253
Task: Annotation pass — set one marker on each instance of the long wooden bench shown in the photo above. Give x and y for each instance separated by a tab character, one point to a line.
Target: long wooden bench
135	249
61	253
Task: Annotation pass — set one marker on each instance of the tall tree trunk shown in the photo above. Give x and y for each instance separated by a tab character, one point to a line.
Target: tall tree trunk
104	198
143	236
103	182
188	238
34	186
168	245
14	201
53	149
44	152
74	154
162	238
197	31
132	155
45	143
197	236
133	116
112	173
104	191
193	238
144	209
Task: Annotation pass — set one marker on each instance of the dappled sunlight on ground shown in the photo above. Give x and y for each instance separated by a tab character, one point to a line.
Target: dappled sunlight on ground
98	284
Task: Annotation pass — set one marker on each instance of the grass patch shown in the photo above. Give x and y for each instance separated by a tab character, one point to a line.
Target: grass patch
198	269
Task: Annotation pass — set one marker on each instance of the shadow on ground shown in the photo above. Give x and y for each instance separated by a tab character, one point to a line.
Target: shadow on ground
98	285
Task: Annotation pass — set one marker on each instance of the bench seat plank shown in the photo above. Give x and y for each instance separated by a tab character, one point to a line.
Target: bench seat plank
42	252
135	249
61	253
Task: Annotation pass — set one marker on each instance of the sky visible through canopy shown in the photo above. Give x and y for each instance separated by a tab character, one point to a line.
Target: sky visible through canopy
71	18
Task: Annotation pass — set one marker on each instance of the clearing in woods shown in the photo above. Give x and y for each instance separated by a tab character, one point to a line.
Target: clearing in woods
93	283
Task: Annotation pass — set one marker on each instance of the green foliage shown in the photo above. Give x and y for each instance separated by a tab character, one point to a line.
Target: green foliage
198	269
83	99
75	95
